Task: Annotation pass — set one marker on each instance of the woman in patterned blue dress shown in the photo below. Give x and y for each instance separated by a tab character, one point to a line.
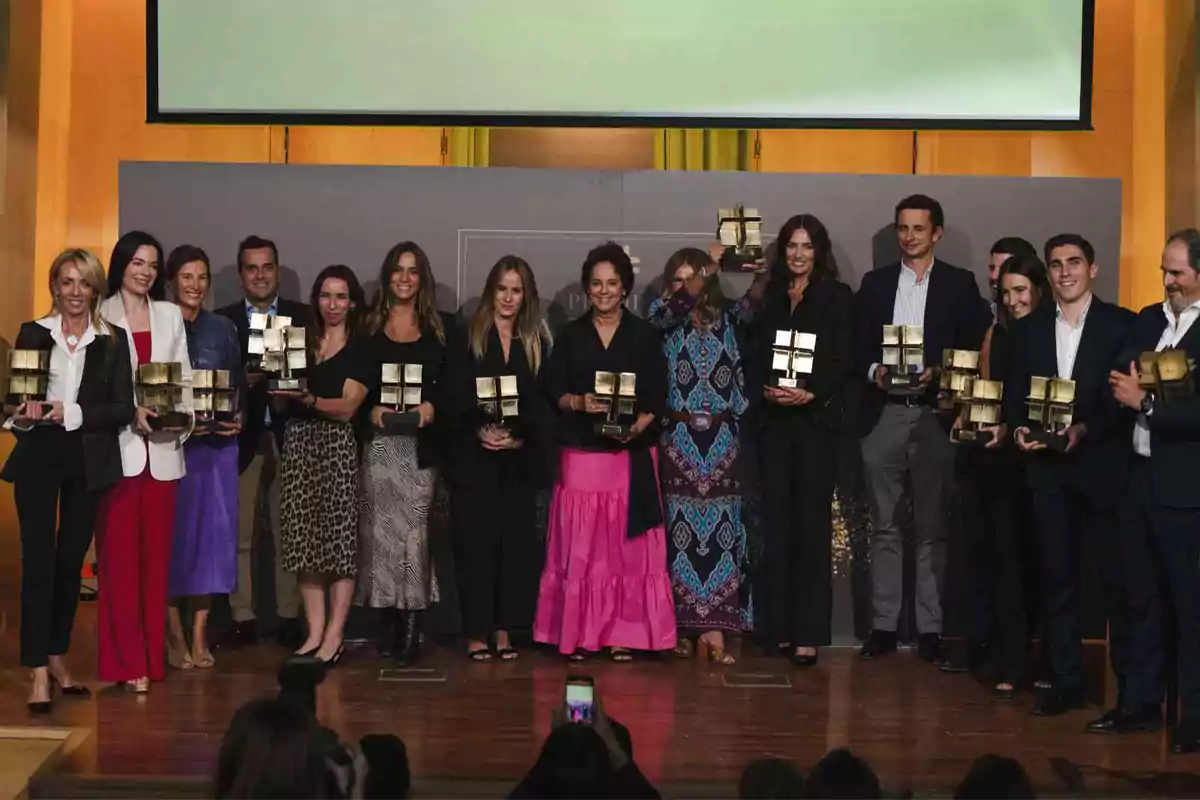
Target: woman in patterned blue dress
706	538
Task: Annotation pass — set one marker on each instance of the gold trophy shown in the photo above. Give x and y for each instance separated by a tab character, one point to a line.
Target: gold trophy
278	348
26	374
400	390
1168	374
160	388
960	370
739	230
792	358
904	356
499	400
1051	404
982	406
214	398
617	393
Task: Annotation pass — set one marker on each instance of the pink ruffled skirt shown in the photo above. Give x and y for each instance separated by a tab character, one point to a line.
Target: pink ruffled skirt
599	587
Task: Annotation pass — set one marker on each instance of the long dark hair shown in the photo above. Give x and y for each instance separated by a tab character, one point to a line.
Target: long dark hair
824	263
358	303
1032	268
273	748
711	301
124	251
426	311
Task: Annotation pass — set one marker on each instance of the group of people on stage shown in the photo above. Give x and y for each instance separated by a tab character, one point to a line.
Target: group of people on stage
646	542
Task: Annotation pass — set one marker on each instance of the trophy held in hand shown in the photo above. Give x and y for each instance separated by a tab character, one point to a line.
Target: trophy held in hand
792	358
214	398
739	230
982	407
1168	374
498	401
400	391
27	378
617	393
1051	404
160	389
279	349
904	356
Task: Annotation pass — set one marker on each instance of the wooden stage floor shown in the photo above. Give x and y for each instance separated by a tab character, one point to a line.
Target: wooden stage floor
690	721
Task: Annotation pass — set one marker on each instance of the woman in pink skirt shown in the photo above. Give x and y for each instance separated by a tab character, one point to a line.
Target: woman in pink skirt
606	583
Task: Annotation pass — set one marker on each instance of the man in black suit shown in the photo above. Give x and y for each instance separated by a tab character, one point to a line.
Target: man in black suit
1160	515
1074	493
903	442
259	446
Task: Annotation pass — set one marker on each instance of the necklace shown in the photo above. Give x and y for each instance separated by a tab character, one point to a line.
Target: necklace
72	340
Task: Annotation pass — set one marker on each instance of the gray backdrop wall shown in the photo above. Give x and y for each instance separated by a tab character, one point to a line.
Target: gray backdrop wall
467	218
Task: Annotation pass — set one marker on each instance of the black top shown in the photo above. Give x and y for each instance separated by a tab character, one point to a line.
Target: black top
430	353
328	378
105	397
1174	427
258	399
635	347
1097	465
827	310
956	318
463	418
571	369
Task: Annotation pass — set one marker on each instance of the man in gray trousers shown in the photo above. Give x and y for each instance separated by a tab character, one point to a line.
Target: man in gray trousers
904	445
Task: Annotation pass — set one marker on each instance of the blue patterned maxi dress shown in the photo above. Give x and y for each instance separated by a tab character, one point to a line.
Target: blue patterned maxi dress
701	482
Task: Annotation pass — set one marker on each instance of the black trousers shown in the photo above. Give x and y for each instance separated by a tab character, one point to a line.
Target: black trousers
1063	514
995	558
495	547
798	471
52	488
1161	553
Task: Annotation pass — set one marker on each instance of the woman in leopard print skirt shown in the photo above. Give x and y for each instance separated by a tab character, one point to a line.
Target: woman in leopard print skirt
399	473
319	465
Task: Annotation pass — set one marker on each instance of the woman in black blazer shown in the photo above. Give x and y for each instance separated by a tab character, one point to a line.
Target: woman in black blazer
66	458
800	432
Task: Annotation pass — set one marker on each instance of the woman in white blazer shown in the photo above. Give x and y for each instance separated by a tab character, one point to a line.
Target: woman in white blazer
133	534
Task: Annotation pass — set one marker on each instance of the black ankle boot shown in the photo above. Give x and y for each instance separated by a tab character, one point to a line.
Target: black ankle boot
388	629
408	643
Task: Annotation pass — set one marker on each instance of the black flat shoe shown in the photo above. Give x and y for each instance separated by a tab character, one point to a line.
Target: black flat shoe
1054	703
1120	721
878	645
480	655
74	690
507	654
804	661
1004	693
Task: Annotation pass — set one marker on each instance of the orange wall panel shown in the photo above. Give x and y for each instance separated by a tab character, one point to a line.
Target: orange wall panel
861	152
410	147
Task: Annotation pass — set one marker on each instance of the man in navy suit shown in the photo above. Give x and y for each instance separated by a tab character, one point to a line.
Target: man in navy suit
904	444
1074	493
259	446
1160	515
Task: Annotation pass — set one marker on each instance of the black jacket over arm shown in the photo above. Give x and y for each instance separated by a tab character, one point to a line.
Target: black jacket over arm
1174	428
105	398
827	310
1097	465
258	401
956	317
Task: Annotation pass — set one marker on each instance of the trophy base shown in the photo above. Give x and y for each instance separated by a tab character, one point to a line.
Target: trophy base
401	423
903	383
1054	441
733	261
970	436
213	423
287	385
784	382
616	430
170	420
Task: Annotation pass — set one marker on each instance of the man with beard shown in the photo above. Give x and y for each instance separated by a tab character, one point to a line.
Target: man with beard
1160	515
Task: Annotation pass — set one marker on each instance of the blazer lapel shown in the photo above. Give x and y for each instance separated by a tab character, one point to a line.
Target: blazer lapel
934	297
1089	339
892	286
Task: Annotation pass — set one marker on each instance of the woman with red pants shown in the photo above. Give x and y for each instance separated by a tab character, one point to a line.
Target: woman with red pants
133	534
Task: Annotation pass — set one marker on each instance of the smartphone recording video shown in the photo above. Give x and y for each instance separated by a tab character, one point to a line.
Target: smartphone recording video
580	700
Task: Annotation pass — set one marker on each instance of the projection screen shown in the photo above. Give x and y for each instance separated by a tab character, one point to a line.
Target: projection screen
712	63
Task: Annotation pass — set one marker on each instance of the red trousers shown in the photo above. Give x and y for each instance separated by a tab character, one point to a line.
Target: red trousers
133	543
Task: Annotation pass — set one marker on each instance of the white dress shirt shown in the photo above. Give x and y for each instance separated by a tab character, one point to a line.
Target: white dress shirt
1067	337
909	306
1176	329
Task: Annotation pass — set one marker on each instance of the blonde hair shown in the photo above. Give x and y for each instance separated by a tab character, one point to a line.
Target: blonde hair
529	324
426	306
92	272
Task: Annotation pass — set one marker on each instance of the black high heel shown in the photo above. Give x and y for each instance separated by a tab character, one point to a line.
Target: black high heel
335	658
42	706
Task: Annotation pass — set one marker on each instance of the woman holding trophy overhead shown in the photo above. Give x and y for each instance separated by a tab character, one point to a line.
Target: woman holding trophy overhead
318	469
399	470
66	457
137	518
204	549
605	583
497	458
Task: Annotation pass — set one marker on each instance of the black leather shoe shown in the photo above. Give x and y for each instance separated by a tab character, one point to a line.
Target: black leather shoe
929	648
242	634
1119	721
878	645
1054	702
